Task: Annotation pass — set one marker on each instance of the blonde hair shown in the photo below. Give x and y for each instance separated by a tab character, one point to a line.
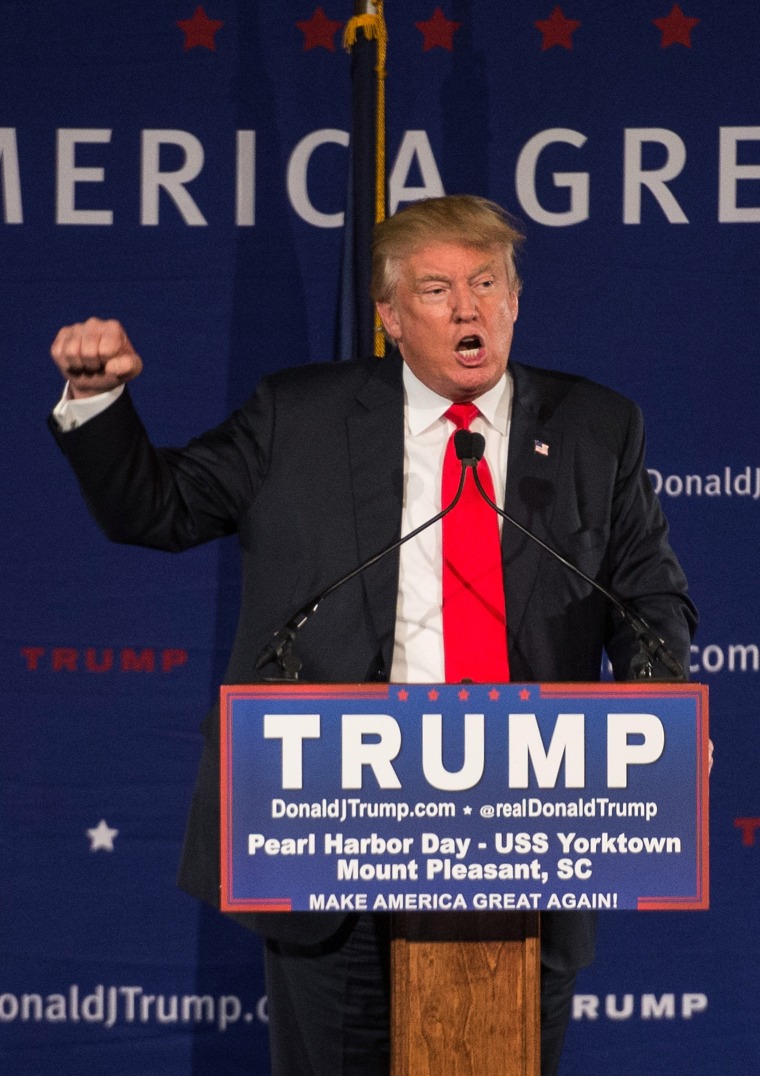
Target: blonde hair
454	218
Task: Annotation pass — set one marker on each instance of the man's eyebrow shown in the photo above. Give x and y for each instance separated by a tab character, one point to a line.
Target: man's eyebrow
428	278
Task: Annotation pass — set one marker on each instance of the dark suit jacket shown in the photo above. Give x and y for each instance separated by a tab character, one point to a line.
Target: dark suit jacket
309	473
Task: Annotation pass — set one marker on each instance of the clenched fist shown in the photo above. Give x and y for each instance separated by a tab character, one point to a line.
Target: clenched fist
95	356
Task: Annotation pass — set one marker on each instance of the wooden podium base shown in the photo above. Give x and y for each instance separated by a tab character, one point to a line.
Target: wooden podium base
465	994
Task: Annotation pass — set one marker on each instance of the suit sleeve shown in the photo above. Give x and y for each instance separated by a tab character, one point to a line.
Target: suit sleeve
643	570
170	499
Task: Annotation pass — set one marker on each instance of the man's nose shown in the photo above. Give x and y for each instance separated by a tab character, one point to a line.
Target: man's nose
464	304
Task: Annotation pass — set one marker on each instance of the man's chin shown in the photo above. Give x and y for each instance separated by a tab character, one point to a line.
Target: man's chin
473	381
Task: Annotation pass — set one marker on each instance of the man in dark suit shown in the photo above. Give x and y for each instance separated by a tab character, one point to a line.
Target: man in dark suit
324	466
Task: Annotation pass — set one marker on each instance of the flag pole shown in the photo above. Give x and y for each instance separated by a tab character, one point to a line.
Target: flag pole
365	38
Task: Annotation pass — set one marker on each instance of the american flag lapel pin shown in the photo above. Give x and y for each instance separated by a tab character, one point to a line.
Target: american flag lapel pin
541	448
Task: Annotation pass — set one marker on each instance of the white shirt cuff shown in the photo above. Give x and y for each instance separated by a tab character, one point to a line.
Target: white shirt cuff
70	413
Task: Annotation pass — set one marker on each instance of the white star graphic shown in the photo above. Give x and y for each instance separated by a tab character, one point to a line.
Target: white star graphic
467	810
102	837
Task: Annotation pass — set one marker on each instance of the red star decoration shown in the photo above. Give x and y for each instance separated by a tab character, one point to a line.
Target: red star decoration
493	694
403	694
319	31
524	695
464	694
675	28
557	30
200	30
432	694
438	32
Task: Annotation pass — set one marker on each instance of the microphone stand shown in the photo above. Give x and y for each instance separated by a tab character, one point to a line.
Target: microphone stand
281	649
470	448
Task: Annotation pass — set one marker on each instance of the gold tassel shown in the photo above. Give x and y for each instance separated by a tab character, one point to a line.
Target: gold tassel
368	23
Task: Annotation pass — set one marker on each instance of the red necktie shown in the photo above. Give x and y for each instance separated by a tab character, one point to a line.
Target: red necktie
474	616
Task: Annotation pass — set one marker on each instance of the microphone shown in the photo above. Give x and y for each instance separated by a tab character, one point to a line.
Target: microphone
470	448
280	649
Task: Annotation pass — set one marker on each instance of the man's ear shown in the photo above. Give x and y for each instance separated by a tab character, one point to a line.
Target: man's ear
390	321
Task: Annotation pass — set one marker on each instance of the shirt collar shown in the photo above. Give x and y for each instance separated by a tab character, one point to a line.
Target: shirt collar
425	407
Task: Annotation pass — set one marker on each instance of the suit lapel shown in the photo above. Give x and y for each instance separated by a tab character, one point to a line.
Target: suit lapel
375	430
532	470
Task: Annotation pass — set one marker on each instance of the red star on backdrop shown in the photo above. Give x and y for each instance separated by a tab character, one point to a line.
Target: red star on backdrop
432	694
493	694
464	694
200	30
403	694
319	31
438	32
675	28
557	30
524	695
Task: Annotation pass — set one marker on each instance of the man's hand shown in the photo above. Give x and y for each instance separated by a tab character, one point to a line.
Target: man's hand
95	356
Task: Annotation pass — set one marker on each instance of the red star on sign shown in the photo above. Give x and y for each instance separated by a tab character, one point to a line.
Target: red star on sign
319	31
524	695
403	694
432	694
438	31
493	694
557	30
675	28
464	694
199	31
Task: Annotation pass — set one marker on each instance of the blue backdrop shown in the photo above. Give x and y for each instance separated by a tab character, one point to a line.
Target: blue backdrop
183	168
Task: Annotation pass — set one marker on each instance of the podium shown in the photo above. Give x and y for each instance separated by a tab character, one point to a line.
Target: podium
464	811
465	994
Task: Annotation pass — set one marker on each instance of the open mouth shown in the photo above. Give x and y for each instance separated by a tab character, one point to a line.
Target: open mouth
469	346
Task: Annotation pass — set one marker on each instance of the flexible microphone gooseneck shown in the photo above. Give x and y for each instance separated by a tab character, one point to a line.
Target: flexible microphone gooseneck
280	649
654	648
470	448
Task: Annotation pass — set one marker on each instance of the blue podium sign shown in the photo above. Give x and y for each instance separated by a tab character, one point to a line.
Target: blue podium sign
390	797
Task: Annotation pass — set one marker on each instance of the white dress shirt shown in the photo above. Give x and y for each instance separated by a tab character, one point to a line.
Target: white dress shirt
418	641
